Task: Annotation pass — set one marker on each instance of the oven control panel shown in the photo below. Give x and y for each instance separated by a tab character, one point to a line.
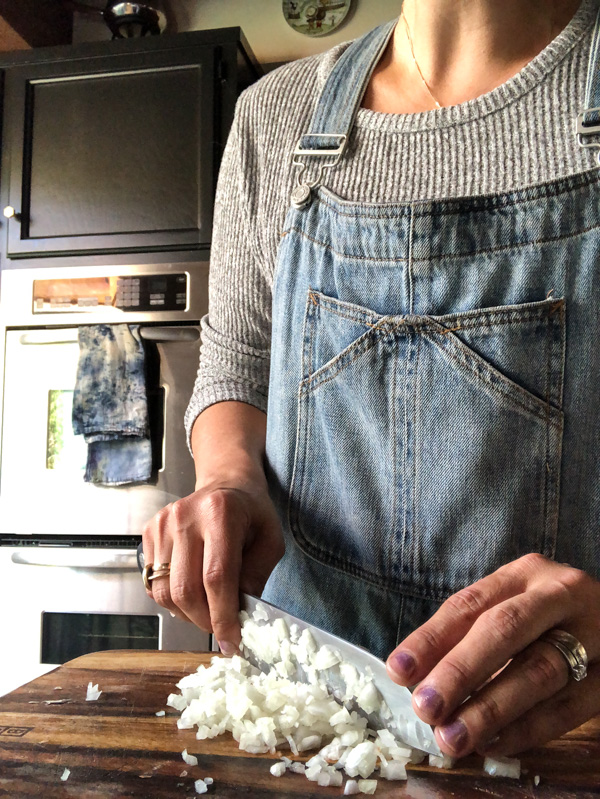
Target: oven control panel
133	293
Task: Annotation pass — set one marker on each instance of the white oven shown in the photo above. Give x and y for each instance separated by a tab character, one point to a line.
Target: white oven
70	581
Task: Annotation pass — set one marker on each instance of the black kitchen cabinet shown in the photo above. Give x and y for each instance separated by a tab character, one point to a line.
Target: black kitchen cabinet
115	146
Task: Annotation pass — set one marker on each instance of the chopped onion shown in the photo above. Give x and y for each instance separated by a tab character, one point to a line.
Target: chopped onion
65	775
536	780
92	693
367	786
351	787
200	786
191	760
264	711
393	771
443	761
502	767
160	713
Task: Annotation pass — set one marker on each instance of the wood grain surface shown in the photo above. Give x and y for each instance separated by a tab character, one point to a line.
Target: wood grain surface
117	746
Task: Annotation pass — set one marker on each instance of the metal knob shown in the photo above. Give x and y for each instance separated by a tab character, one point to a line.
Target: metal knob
10	213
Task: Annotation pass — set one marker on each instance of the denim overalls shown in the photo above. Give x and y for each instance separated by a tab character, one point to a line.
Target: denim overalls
435	371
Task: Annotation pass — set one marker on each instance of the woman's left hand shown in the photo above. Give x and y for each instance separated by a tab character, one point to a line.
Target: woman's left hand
459	658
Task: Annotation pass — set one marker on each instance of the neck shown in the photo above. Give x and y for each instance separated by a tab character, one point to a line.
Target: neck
464	48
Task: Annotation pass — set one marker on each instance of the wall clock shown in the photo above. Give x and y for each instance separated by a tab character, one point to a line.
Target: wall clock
315	17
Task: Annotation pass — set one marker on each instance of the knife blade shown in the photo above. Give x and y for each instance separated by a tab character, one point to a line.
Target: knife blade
402	722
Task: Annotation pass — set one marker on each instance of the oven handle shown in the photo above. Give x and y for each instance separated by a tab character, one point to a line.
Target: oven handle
77	559
161	334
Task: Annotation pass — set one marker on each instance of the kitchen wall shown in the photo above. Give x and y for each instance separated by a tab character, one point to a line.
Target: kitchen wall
272	40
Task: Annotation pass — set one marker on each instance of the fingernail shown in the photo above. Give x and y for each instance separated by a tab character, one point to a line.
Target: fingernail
403	663
429	701
455	734
227	648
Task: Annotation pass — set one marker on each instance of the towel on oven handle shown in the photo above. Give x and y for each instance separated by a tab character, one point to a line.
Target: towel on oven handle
110	407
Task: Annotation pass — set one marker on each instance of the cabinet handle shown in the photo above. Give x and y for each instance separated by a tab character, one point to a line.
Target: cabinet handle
10	213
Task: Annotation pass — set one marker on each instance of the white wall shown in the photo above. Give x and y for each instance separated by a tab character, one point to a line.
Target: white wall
270	37
266	30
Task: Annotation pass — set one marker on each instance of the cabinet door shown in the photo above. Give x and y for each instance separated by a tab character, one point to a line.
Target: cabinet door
110	153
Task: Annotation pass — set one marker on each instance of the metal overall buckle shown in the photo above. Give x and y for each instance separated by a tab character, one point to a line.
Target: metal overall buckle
302	192
582	129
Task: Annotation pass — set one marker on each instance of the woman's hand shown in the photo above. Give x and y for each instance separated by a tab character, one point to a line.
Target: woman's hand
219	540
460	656
226	536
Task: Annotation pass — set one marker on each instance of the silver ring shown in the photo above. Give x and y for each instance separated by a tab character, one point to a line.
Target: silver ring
571	649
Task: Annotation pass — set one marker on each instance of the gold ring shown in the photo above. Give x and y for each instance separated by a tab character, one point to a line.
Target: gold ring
154	572
571	649
159	573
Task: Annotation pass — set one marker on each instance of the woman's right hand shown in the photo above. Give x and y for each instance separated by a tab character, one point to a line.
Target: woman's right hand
226	536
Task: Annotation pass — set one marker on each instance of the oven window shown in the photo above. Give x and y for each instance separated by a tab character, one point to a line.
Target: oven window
64	450
68	635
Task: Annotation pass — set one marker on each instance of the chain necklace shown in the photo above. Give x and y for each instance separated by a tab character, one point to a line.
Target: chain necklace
412	51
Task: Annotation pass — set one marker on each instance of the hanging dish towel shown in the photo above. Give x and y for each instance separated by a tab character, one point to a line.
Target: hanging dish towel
110	407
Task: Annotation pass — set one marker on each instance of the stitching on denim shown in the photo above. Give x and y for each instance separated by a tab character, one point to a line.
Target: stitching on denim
330	308
411	298
464	362
482	322
350	567
394	463
447	256
364	347
414	448
547	458
486	204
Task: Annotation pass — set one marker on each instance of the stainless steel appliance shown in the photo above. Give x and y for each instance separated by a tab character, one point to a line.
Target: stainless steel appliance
70	582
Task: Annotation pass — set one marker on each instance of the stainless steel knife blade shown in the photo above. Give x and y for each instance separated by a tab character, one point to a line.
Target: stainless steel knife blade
403	722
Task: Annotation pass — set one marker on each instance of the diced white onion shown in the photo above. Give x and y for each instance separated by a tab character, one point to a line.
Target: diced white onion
351	787
367	786
65	775
394	770
92	693
191	760
443	761
160	713
502	767
277	769
200	786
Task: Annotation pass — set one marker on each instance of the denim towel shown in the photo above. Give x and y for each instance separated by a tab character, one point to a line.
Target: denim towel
110	408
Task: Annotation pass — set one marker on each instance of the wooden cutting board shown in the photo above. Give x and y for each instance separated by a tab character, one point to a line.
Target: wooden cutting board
117	746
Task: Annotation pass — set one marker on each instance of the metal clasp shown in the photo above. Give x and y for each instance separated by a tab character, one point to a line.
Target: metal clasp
582	129
302	193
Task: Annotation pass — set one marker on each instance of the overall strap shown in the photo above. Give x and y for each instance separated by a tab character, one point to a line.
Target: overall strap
588	121
337	107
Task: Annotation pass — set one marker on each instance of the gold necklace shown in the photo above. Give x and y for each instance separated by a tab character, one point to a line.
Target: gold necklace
412	52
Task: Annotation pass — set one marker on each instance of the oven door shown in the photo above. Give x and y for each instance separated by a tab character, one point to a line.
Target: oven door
66	602
42	491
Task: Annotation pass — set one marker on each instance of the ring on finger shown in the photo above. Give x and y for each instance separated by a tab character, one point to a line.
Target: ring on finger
571	649
154	572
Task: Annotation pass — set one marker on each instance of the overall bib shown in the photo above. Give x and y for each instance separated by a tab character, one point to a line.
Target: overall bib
435	369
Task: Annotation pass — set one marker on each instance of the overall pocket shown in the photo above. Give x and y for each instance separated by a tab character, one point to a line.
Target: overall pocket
428	448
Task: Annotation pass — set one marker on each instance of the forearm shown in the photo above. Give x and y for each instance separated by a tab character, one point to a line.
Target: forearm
228	444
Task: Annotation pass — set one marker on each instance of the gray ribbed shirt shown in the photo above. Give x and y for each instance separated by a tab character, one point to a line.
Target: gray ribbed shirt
519	134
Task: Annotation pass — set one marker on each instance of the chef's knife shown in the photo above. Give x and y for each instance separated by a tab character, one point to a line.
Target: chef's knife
403	722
